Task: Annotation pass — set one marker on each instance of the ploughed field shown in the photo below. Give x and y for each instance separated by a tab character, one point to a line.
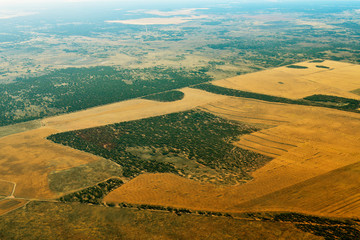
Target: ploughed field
283	140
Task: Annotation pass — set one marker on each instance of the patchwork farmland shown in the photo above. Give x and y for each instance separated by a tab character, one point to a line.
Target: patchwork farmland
301	158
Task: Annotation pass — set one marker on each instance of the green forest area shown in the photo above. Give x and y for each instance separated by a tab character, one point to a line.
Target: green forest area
165	143
73	89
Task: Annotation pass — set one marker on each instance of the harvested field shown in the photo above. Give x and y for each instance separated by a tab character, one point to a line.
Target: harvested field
129	110
297	83
28	158
340	75
170	190
8	205
336	193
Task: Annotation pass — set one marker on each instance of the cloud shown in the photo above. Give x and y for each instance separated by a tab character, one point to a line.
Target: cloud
187	11
8	15
158	21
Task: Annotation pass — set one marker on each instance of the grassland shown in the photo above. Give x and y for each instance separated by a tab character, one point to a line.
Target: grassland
20	127
8	205
73	221
83	176
6	188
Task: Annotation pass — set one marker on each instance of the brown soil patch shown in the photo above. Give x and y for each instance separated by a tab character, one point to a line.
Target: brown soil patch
294	83
28	158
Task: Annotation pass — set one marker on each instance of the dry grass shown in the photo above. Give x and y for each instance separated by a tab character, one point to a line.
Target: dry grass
298	83
19	127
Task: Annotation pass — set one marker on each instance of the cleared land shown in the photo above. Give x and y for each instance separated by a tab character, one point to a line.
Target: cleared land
295	83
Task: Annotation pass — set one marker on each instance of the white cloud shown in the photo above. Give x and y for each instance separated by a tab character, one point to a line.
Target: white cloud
9	14
158	21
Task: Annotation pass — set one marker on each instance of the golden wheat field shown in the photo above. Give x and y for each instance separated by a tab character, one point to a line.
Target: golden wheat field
337	79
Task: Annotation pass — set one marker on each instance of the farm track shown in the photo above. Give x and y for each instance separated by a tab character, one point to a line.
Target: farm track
13	189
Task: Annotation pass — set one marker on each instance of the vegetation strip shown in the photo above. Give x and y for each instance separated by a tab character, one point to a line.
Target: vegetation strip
317	100
95	194
169	96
